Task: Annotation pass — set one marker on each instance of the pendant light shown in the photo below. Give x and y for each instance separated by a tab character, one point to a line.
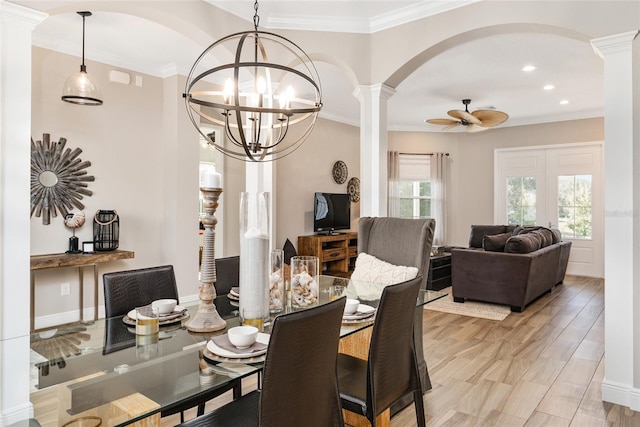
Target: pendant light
80	87
266	97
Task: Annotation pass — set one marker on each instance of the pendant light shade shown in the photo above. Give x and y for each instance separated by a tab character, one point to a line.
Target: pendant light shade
80	88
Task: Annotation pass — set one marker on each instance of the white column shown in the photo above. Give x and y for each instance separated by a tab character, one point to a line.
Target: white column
621	306
373	148
16	26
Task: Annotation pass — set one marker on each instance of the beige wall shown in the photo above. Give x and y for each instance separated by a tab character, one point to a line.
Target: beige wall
471	170
309	169
142	163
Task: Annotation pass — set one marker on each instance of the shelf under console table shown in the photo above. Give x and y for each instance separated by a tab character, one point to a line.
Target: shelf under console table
65	260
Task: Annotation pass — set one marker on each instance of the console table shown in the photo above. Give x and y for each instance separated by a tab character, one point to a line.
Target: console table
42	262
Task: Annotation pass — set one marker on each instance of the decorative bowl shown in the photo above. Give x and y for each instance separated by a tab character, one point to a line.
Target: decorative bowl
164	306
351	306
242	336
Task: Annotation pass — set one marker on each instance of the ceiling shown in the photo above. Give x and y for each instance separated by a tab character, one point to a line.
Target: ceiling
487	70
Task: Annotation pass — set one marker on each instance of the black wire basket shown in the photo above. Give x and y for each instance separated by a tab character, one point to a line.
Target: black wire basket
106	230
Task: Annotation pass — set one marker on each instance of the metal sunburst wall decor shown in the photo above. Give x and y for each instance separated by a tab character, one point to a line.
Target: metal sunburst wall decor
58	178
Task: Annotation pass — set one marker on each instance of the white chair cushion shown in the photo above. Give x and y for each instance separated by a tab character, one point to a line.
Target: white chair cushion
371	269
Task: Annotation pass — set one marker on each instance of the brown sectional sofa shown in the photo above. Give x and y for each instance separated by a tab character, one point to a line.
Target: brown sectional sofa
508	265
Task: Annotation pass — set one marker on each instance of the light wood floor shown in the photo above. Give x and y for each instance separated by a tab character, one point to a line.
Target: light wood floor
542	367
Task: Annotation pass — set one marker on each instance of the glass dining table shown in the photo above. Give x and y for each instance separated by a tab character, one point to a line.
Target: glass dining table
102	369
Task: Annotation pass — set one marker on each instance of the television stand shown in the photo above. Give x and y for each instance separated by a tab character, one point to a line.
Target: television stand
336	252
330	233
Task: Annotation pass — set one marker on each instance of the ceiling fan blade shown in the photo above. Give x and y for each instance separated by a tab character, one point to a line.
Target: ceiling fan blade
463	115
476	128
443	122
451	126
490	118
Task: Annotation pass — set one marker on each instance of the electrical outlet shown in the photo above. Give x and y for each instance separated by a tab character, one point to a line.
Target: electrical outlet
65	289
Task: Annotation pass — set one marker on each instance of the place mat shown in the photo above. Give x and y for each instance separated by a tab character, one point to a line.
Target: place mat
363	312
179	314
221	346
210	357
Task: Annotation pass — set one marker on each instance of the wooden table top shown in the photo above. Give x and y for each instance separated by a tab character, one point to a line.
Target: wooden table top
75	260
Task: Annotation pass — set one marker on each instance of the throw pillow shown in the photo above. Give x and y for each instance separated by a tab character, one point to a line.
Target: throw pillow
557	235
523	243
495	242
371	269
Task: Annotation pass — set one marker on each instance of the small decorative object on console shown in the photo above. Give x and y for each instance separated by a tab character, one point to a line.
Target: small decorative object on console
106	230
73	221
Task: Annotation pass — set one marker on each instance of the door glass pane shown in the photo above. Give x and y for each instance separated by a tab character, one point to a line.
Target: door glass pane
521	200
574	206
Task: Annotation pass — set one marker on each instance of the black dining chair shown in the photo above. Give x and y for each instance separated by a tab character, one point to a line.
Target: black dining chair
299	386
125	290
227	276
369	387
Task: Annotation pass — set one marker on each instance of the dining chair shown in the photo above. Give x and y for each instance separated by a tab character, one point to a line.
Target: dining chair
369	387
125	290
227	276
403	242
299	386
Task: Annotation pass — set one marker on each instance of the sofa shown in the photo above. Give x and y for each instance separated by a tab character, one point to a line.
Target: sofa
509	265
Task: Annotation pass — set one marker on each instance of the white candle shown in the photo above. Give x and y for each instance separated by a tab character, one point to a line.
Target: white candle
211	178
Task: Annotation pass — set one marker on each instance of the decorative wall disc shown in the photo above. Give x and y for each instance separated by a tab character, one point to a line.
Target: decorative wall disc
58	178
340	172
353	187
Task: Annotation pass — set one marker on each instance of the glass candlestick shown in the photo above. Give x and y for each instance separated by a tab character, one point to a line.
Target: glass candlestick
207	318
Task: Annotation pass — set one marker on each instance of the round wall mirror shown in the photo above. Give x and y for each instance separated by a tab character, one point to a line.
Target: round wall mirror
58	178
48	178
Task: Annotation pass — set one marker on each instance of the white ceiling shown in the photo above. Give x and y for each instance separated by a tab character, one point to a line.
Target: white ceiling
487	70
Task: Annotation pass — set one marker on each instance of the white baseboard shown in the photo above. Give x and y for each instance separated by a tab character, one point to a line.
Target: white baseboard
621	394
13	415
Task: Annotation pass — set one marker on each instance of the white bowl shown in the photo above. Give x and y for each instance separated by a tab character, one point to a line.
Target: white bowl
164	306
351	306
243	336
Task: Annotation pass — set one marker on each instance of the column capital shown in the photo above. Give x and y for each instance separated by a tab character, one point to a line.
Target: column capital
614	43
380	90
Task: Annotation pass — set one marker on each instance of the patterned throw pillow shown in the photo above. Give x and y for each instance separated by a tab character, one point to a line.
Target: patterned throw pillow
371	269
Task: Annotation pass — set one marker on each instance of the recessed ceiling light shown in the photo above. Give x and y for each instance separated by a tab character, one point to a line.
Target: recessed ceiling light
529	68
564	102
548	87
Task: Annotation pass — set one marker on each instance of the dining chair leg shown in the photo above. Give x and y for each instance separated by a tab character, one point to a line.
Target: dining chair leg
200	409
419	404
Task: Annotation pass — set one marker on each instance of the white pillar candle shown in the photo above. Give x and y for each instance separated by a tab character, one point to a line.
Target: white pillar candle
211	179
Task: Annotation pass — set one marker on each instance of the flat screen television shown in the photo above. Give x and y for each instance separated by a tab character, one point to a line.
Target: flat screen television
331	212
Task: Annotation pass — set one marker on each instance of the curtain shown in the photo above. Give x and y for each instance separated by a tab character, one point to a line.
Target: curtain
438	196
393	168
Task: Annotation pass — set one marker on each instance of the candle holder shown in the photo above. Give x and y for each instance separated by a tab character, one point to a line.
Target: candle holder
207	318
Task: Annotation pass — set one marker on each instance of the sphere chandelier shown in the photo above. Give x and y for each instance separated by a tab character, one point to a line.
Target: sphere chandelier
267	96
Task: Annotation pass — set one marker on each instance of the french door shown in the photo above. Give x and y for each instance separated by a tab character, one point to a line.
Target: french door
560	187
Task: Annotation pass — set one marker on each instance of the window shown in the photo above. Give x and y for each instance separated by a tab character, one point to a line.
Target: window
574	206
521	200
414	187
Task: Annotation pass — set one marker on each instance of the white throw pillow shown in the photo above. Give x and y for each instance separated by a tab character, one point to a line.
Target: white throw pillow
371	269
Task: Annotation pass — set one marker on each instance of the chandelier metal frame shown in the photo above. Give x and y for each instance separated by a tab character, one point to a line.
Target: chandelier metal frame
257	129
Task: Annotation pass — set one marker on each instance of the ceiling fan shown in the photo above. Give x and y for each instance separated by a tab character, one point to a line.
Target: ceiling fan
476	121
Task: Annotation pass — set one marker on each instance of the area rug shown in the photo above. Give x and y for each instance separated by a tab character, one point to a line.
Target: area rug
469	308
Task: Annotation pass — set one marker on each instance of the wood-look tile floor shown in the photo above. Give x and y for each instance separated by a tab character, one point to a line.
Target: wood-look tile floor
542	367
